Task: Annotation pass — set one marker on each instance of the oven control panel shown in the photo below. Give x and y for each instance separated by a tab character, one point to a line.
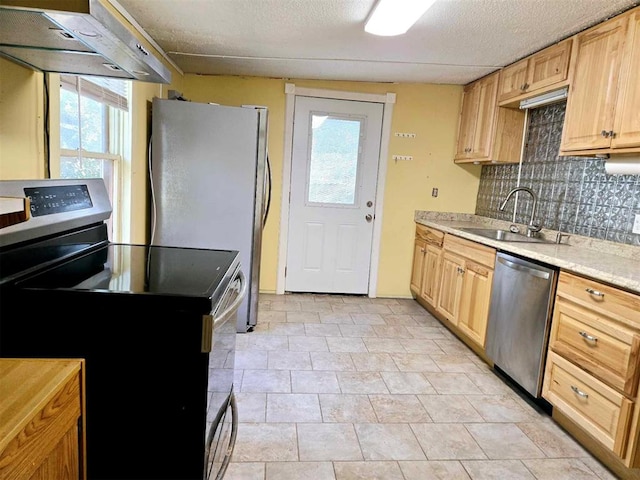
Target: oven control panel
58	199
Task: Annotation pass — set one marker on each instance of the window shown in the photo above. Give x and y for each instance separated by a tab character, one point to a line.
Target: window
92	118
333	163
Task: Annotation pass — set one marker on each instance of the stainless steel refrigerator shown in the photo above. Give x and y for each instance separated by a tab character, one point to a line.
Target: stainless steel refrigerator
210	183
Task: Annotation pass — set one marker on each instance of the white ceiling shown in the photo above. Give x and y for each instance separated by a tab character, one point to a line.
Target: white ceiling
456	41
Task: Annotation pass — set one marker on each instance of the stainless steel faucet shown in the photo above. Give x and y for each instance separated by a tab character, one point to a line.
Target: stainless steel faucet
533	228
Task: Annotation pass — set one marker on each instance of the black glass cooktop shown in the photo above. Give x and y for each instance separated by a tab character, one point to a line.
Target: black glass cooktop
141	269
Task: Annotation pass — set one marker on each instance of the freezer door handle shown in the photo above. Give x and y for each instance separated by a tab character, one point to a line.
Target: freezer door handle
268	193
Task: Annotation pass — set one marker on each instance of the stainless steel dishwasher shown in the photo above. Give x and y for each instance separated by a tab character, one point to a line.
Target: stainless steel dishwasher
519	318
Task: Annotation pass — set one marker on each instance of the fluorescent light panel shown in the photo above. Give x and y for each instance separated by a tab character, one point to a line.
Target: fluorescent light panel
545	99
395	17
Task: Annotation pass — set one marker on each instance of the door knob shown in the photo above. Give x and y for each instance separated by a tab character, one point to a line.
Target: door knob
369	203
368	217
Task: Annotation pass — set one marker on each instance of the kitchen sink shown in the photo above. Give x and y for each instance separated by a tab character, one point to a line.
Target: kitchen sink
504	235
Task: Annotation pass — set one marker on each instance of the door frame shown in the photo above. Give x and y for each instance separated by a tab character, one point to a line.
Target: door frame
388	100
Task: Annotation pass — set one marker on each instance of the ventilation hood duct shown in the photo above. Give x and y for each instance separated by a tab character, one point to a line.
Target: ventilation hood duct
84	37
548	98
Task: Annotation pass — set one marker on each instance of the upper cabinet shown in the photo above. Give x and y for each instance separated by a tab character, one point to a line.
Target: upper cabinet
545	70
604	94
488	133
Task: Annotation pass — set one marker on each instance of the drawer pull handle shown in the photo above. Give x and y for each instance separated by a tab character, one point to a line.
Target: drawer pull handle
594	292
589	338
579	392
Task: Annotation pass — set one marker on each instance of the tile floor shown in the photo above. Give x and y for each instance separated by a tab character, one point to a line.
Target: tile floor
334	387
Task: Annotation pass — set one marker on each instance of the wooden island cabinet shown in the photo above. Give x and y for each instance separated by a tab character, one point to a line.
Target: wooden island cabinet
41	419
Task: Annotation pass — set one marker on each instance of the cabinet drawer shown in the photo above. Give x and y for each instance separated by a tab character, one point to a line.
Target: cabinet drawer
430	235
480	254
598	409
606	349
603	299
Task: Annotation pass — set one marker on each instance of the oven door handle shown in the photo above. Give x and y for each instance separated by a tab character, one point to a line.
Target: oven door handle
222	318
210	323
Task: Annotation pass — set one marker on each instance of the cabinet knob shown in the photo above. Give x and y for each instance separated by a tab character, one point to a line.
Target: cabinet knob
460	270
525	86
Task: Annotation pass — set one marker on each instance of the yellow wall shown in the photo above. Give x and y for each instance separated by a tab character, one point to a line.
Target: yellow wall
429	111
21	122
22	145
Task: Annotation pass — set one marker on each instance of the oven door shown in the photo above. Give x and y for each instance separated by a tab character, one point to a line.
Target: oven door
222	418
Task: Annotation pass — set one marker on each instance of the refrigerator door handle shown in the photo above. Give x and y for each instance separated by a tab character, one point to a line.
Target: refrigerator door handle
266	210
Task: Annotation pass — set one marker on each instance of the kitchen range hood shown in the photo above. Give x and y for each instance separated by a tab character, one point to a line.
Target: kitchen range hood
84	37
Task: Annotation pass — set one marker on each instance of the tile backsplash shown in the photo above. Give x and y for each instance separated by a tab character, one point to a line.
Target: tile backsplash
575	195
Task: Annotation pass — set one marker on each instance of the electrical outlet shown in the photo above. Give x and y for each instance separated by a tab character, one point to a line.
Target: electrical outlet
636	224
402	157
434	192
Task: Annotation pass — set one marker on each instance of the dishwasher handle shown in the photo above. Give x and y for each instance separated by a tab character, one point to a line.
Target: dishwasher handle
524	268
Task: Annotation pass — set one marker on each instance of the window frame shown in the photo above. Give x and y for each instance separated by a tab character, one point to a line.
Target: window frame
115	138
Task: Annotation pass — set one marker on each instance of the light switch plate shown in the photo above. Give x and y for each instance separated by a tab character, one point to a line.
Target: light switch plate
636	224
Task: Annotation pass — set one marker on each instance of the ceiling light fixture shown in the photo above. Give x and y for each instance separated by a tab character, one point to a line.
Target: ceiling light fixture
395	17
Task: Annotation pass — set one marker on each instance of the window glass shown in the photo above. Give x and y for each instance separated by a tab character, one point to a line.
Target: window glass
333	165
92	118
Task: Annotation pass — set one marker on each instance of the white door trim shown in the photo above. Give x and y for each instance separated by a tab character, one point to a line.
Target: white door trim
388	99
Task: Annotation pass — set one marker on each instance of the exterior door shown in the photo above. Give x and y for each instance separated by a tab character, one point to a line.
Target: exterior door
336	147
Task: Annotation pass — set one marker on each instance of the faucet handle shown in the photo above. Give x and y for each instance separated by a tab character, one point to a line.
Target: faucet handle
560	236
533	228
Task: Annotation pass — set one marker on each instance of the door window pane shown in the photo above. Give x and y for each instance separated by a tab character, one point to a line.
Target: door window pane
333	166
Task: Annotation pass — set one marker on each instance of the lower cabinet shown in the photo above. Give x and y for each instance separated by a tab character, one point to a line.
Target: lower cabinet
427	252
452	276
465	286
591	374
42	429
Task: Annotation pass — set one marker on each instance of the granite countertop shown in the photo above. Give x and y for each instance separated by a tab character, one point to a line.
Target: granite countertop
609	262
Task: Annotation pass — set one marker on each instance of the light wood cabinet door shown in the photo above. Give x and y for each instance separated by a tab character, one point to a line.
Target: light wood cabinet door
548	67
513	80
486	132
589	116
474	303
419	251
592	405
467	125
487	105
536	73
627	123
600	346
431	274
450	287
